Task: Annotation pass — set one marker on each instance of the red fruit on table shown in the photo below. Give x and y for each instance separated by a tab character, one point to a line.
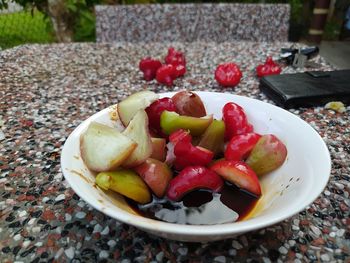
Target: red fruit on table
149	67
240	146
192	178
238	173
235	119
189	103
166	75
175	57
269	68
180	70
155	110
228	74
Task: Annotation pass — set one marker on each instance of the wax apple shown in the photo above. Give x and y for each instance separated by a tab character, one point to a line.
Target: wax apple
192	178
268	154
156	174
171	121
238	173
240	146
104	148
189	103
235	119
125	182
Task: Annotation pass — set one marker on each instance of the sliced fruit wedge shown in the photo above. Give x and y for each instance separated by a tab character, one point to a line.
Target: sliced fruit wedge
213	137
192	178
128	107
125	182
158	149
238	173
137	130
104	148
189	103
156	174
171	121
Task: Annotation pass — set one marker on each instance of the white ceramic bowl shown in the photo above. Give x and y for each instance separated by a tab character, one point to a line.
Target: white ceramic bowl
286	191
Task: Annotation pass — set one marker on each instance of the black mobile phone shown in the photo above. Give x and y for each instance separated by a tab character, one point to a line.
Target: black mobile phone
307	89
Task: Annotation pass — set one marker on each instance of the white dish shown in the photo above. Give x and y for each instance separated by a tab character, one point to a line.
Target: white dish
286	191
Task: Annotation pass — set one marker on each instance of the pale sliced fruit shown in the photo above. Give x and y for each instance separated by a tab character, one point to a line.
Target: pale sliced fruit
125	182
135	102
104	148
137	131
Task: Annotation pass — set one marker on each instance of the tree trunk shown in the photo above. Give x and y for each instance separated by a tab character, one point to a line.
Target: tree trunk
61	20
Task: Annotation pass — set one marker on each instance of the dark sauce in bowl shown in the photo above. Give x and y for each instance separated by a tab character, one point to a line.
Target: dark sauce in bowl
201	207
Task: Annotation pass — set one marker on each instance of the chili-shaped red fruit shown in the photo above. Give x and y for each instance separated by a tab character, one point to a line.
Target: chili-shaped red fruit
240	146
228	74
166	75
149	67
235	119
269	68
192	178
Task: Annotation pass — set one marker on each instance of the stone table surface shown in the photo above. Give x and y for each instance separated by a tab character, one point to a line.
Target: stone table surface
47	90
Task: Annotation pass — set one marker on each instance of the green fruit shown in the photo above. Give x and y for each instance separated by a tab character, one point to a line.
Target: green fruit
213	137
171	121
125	182
268	154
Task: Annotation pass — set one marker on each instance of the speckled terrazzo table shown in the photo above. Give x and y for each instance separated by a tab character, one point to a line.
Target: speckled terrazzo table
46	91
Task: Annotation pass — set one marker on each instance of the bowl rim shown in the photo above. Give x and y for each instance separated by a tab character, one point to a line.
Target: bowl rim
153	225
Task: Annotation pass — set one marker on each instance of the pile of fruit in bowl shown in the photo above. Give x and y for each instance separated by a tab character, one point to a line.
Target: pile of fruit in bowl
175	162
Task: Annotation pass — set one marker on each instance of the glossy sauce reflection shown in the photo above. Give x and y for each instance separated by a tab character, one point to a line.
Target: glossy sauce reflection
201	207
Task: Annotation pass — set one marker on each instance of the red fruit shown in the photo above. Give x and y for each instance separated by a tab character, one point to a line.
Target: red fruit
235	120
175	57
166	75
149	67
180	70
155	110
269	68
180	135
192	178
240	146
186	154
238	173
228	74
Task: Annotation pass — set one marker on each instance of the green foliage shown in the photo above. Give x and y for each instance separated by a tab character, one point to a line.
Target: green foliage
24	27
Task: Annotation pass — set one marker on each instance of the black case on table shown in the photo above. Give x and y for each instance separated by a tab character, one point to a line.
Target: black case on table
307	89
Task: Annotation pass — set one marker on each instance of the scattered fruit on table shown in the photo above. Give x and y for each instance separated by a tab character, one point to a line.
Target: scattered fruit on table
270	67
189	103
104	148
190	155
268	154
337	106
137	101
166	74
149	67
125	182
228	74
